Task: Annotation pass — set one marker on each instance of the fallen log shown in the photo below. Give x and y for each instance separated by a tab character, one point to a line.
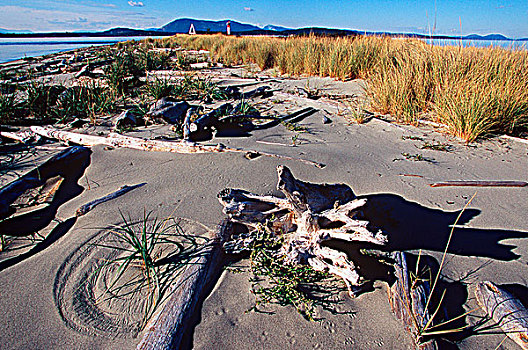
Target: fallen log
37	177
89	206
479	183
209	119
183	147
167	327
309	215
506	310
409	301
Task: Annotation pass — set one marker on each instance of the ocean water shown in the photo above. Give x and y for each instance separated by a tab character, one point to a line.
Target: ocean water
15	48
505	44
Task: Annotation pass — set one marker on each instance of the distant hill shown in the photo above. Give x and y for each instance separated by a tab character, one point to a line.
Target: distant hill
182	25
128	32
10	31
486	37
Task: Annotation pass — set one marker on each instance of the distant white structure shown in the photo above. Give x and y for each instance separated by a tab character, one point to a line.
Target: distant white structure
228	24
192	31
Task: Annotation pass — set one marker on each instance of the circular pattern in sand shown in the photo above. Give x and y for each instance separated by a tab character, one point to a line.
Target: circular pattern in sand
93	300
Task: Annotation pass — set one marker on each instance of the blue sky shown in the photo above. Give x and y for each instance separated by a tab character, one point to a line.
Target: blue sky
454	17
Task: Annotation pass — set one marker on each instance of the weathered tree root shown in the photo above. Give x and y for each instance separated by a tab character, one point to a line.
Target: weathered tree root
309	215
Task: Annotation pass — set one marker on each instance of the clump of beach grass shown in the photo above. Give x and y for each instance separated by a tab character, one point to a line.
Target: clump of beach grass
473	91
7	107
152	252
86	100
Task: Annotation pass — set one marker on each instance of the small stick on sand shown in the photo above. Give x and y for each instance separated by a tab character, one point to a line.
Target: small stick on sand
478	183
89	206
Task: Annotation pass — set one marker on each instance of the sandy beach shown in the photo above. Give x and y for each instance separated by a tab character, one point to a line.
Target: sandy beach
378	160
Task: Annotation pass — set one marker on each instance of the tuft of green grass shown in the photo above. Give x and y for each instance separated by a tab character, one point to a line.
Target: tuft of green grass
41	98
428	329
159	87
7	108
87	100
151	254
417	157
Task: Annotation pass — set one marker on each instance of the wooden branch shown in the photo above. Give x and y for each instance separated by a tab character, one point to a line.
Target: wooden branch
478	183
183	147
408	301
37	177
318	197
121	191
166	328
23	136
509	313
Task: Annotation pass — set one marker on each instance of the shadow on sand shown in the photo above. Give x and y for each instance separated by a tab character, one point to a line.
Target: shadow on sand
411	226
30	223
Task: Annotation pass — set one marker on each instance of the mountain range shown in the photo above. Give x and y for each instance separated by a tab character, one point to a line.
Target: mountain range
182	25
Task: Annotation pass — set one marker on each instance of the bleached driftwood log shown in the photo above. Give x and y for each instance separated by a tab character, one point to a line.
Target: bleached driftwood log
118	140
23	136
506	310
409	301
167	327
309	215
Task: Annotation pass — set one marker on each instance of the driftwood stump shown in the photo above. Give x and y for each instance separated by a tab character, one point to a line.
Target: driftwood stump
309	215
409	301
505	309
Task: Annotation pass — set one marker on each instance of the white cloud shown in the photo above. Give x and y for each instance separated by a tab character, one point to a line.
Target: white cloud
249	9
136	3
68	19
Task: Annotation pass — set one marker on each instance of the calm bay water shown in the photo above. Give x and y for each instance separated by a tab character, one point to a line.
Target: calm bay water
505	44
15	48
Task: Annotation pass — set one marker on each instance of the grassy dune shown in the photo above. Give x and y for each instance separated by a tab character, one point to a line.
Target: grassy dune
474	91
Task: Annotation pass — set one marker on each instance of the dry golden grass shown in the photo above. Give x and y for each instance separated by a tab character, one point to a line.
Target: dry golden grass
473	91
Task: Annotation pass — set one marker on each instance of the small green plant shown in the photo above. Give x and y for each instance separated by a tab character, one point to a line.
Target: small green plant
277	283
41	98
357	112
436	146
417	157
195	88
245	108
294	127
416	138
